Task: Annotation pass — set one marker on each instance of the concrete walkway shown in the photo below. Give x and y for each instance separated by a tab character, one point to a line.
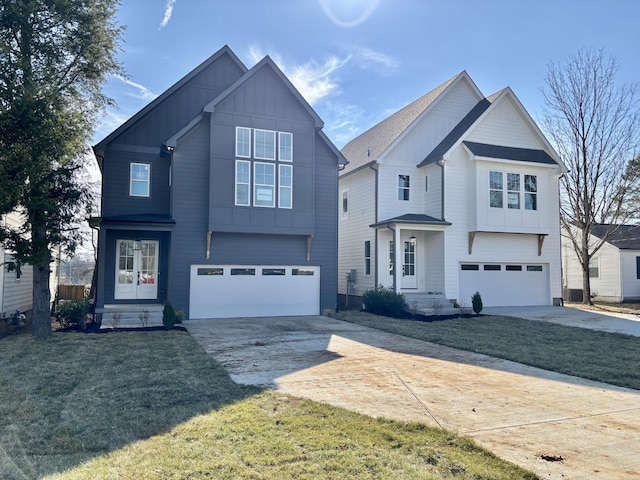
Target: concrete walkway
558	426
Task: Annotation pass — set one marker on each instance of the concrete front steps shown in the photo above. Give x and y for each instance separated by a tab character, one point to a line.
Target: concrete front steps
431	304
129	315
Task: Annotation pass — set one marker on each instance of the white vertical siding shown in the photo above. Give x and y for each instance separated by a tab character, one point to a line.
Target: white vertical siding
355	229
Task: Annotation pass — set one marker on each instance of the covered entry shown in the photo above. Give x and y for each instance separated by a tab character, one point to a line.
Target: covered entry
225	291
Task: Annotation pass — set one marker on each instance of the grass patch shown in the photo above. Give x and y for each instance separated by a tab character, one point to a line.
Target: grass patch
602	356
153	405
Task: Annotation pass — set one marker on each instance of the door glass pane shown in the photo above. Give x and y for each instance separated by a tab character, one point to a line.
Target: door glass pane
125	263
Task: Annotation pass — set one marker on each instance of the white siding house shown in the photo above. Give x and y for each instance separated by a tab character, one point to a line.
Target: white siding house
614	269
460	192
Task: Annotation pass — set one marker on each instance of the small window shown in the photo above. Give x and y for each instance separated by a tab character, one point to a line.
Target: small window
264	144
530	192
264	180
243	142
403	187
273	271
469	266
426	184
367	257
392	258
285	186
140	179
243	178
211	271
285	150
492	268
495	189
513	190
534	268
302	272
594	267
638	268
513	268
243	271
345	204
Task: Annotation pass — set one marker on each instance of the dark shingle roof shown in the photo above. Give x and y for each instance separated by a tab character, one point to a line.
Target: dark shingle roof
510	153
457	132
147	218
368	146
625	237
413	218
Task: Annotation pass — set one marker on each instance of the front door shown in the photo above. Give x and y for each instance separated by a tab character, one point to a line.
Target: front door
136	270
409	265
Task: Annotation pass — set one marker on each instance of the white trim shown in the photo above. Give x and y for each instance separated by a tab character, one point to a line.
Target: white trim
257	185
131	180
248	184
288	187
238	129
255	144
280	135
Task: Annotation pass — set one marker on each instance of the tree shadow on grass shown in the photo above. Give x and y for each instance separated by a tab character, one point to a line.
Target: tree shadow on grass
77	396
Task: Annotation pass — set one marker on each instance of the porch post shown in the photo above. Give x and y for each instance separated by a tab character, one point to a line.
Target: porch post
397	266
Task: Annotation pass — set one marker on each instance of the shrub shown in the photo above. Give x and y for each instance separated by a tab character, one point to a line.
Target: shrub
179	316
476	301
384	301
168	315
73	312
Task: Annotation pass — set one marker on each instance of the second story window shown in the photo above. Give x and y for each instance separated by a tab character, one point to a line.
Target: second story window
367	257
495	189
264	180
285	147
243	142
530	192
140	180
264	144
518	193
403	187
345	204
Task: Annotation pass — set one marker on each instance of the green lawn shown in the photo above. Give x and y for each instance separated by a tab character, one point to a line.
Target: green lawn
153	405
605	357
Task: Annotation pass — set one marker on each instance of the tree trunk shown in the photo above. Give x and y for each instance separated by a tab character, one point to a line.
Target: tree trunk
41	327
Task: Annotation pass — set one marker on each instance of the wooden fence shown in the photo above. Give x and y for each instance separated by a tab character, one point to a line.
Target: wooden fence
71	292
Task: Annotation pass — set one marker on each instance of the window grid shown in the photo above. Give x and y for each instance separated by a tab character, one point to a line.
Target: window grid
513	190
495	189
264	180
264	144
140	180
530	192
243	142
367	257
403	187
243	179
285	186
285	147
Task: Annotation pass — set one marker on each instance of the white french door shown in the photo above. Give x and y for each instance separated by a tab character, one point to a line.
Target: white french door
136	270
409	265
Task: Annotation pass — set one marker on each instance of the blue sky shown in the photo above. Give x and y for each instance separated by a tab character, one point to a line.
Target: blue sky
358	61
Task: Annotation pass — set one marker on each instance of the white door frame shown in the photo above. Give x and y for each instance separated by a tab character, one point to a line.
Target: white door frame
136	269
409	264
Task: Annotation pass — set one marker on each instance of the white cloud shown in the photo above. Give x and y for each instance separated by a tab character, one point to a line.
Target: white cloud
367	58
168	11
141	91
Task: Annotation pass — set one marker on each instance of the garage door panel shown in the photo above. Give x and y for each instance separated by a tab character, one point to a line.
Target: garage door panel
527	286
269	291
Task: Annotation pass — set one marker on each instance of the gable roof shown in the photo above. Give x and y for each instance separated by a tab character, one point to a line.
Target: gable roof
100	146
496	151
624	237
416	218
372	144
266	62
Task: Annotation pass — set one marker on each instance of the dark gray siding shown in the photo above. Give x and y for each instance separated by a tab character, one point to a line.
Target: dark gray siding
183	105
115	180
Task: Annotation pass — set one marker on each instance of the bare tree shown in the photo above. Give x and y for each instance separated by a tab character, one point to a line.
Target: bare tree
595	126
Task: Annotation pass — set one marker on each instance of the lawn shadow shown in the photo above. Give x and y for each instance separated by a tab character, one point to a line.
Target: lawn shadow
77	396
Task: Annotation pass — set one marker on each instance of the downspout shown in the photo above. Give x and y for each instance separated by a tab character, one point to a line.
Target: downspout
374	167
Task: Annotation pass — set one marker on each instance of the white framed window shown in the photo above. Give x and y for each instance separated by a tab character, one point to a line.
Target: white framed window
345	204
285	186
496	188
264	184
285	147
403	187
513	190
367	257
530	192
264	144
594	267
140	180
243	182
243	142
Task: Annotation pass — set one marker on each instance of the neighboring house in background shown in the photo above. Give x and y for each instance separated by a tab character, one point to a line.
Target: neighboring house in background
453	194
614	270
220	196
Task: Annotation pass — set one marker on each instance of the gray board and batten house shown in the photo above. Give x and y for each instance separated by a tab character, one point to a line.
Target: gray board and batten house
220	196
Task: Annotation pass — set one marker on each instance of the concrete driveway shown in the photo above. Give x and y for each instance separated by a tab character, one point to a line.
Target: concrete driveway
560	427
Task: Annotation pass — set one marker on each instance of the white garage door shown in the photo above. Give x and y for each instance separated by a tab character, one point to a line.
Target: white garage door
224	291
505	284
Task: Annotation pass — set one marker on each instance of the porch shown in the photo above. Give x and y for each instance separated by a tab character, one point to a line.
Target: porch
130	315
